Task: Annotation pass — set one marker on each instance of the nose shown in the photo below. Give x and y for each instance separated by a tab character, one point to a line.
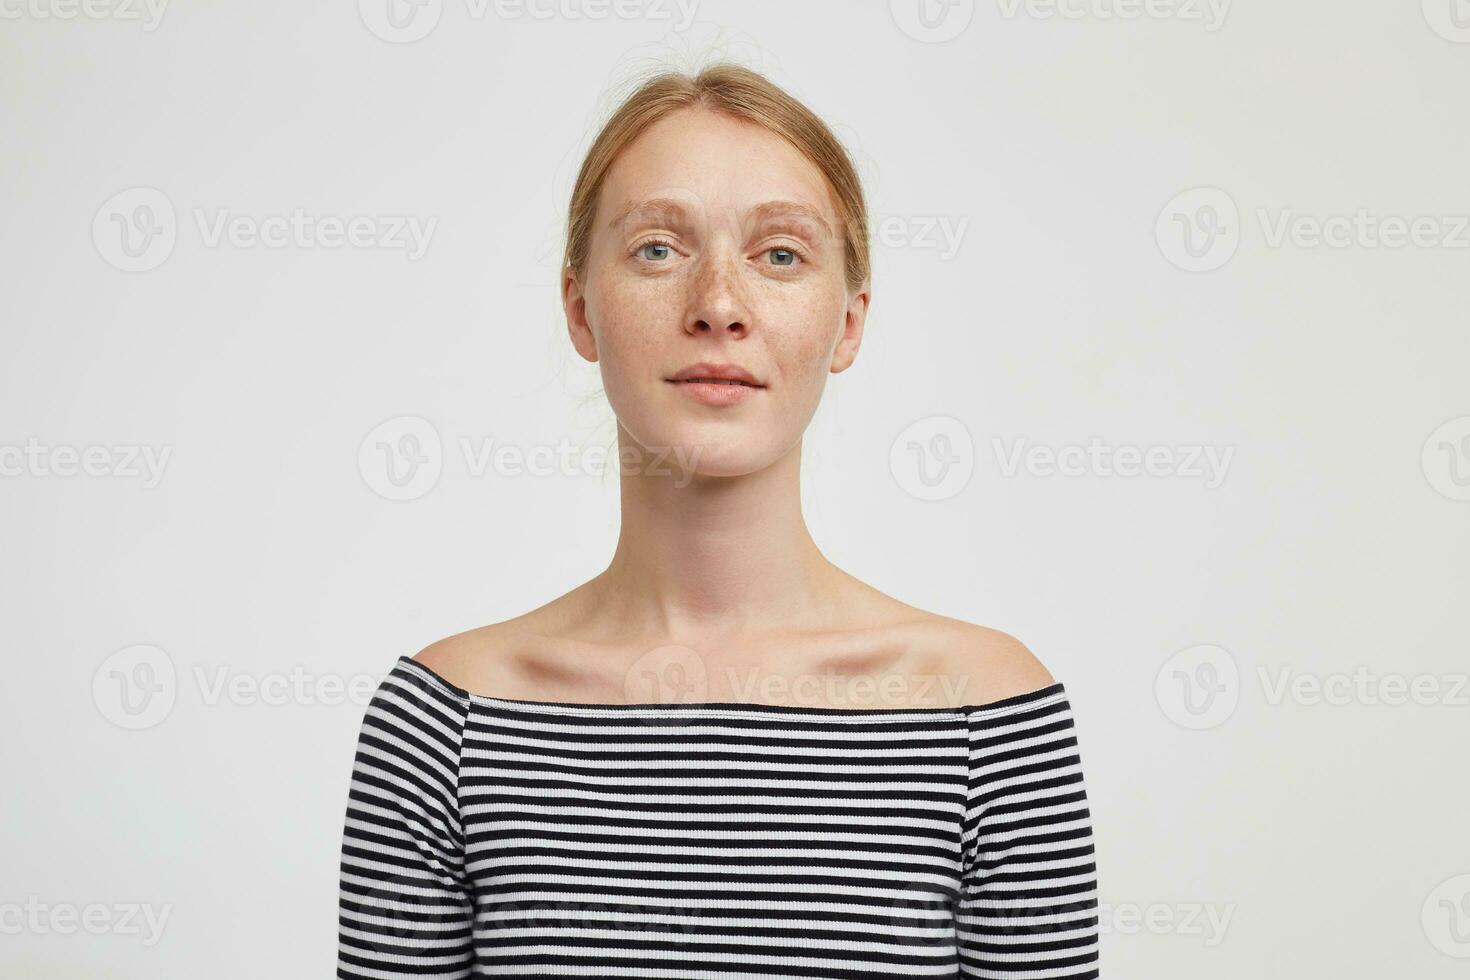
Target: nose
717	301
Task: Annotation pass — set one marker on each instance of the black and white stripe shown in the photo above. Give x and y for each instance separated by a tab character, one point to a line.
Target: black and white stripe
494	837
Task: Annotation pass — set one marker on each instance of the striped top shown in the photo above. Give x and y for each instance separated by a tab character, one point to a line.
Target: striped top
494	837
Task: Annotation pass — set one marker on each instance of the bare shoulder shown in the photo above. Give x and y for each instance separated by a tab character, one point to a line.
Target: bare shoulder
467	660
982	663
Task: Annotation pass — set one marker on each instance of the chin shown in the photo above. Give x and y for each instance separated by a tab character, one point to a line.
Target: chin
684	452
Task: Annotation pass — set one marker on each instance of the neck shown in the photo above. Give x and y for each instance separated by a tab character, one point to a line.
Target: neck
713	556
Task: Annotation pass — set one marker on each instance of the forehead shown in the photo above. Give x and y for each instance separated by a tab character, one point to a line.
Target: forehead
717	162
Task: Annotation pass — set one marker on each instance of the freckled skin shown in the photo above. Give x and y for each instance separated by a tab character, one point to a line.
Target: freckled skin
734	266
661	293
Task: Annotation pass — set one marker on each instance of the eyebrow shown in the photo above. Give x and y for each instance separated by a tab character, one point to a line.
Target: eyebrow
671	208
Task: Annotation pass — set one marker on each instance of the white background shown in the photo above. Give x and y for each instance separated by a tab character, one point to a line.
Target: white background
1328	836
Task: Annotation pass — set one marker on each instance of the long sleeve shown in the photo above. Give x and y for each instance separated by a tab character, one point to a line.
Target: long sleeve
405	909
1028	902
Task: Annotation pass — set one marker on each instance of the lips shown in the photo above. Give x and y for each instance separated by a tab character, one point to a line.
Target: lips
716	386
707	372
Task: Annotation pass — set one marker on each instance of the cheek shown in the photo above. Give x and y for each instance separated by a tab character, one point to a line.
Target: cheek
802	334
630	326
624	318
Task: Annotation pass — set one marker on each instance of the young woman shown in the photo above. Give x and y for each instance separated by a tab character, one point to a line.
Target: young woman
723	756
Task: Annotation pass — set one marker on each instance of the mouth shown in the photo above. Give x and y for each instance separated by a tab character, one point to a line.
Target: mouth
709	373
713	381
716	385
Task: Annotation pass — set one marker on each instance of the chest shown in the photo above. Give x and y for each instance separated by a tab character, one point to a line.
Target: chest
743	839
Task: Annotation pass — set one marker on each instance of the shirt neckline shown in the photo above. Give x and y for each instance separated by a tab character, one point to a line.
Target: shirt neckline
1027	699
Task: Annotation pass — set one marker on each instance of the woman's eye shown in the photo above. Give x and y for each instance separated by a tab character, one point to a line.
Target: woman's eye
783	256
643	250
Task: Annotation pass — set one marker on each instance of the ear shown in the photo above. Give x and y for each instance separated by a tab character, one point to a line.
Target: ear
852	329
574	302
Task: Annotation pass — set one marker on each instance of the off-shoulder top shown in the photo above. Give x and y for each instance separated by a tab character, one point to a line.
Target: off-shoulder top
487	836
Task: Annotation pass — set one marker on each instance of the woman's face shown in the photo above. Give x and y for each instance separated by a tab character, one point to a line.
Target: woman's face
716	249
